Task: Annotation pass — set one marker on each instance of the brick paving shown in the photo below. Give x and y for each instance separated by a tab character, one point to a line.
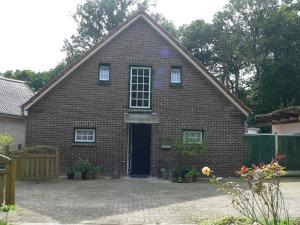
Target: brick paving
126	201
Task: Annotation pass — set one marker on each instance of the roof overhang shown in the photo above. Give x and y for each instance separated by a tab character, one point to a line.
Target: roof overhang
11	116
223	90
282	116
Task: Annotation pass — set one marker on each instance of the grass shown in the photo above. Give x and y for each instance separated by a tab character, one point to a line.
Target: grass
232	220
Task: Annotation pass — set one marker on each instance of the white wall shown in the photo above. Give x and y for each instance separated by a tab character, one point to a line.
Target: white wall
289	128
14	127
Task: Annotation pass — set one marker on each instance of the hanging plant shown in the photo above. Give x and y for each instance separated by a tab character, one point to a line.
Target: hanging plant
191	149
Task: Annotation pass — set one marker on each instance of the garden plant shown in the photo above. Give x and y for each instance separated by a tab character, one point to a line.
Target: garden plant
259	197
6	209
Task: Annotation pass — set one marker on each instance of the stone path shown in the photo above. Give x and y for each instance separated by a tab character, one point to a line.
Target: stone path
127	201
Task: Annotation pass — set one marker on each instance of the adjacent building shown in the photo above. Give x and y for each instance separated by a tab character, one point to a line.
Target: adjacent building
13	93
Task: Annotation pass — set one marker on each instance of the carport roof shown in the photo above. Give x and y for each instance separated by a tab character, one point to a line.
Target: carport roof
285	115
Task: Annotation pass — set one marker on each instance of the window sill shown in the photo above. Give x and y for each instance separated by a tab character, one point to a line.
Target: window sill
84	144
130	110
103	82
175	85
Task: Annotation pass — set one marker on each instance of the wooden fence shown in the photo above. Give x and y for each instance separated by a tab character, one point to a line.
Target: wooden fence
262	147
7	180
36	163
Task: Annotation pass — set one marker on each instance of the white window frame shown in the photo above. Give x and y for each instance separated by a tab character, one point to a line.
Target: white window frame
87	140
178	73
104	77
192	136
137	91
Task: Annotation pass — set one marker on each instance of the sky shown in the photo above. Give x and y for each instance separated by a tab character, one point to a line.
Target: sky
32	32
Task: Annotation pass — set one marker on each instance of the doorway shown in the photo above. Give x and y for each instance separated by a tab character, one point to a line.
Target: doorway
139	149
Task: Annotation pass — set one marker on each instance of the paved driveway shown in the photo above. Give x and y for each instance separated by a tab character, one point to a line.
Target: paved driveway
127	201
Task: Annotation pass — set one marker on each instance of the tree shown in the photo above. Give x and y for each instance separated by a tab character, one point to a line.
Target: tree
35	80
278	85
197	38
95	18
168	25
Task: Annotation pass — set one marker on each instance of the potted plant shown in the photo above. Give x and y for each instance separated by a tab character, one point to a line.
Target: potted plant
188	178
194	174
83	168
70	172
178	172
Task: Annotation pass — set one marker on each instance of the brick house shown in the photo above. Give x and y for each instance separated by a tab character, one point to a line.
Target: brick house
13	93
133	92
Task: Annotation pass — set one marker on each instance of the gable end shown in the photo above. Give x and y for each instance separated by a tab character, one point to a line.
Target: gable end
174	43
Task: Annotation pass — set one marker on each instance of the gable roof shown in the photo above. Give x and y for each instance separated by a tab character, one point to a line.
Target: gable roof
13	93
167	36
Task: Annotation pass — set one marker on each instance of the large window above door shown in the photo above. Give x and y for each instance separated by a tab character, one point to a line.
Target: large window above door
140	87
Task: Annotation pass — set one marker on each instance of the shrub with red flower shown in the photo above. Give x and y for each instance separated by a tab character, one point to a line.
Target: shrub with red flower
261	199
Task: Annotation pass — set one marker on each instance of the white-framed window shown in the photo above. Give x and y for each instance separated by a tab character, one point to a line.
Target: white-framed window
140	87
192	137
84	135
176	75
104	72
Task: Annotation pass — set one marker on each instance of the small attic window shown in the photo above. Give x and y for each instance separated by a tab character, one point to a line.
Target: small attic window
104	73
176	75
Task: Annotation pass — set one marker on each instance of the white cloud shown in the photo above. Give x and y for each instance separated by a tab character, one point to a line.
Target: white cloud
32	31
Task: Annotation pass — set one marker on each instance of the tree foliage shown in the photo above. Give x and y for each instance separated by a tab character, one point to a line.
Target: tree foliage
278	84
35	80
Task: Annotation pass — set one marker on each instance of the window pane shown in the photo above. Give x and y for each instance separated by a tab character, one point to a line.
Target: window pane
133	95
134	79
146	103
140	87
134	86
133	102
146	72
140	80
175	76
140	72
139	103
134	71
104	73
140	95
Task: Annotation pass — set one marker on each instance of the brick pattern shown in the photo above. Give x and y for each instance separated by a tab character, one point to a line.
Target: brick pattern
194	104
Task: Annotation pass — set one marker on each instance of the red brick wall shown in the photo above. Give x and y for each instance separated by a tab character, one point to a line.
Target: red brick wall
196	104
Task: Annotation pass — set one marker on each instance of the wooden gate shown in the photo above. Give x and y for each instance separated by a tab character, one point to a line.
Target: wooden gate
36	162
7	180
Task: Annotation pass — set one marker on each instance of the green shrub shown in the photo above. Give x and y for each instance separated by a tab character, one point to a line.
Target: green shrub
5	141
191	149
84	166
